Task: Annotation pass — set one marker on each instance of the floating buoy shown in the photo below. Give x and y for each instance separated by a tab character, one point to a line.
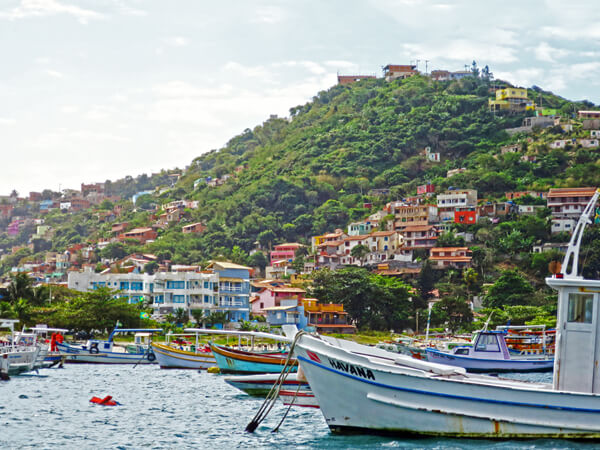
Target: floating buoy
106	401
214	370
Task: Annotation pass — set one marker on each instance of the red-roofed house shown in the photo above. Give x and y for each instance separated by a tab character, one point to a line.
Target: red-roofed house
271	296
457	257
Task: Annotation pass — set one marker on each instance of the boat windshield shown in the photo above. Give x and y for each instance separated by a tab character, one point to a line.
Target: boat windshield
487	343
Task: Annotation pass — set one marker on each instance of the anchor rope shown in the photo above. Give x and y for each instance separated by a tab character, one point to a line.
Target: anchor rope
276	429
271	398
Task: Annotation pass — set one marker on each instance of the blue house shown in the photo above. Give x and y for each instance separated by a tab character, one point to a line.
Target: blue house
233	290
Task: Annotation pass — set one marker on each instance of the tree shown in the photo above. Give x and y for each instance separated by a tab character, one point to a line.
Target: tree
359	252
151	267
455	311
198	316
449	239
373	301
180	316
510	289
266	238
258	259
114	250
20	287
426	280
474	69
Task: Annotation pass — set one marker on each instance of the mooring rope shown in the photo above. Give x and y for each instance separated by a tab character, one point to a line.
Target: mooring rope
269	402
276	429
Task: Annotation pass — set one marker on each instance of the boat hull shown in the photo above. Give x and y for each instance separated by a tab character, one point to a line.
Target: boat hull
172	358
491	365
260	385
78	355
357	392
234	361
18	362
302	399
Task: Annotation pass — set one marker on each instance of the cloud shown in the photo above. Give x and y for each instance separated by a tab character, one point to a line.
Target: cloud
176	41
269	15
544	52
172	41
69	109
53	73
462	50
41	8
6	121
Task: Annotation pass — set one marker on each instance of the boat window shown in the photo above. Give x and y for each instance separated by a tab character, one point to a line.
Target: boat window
461	351
487	343
580	308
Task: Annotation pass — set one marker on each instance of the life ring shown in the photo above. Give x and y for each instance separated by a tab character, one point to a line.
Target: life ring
94	348
151	357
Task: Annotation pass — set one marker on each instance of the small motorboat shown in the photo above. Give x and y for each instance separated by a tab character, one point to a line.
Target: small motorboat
17	358
107	352
490	353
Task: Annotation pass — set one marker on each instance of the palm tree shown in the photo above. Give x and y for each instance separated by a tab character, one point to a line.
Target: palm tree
359	252
6	310
22	310
20	287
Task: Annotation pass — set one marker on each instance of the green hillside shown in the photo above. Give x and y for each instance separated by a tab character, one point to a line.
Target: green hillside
312	173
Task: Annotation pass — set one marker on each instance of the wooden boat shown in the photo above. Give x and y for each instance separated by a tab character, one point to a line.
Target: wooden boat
260	385
231	360
361	388
169	357
106	352
489	353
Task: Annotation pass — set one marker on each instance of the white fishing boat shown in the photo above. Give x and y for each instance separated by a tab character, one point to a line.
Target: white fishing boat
107	352
174	355
490	353
49	355
367	389
16	358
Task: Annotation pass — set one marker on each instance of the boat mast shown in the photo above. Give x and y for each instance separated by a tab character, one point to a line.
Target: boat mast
572	256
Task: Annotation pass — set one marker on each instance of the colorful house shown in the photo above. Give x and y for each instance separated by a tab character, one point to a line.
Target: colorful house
284	252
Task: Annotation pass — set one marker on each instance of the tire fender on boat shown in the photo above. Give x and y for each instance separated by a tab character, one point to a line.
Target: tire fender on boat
151	357
94	348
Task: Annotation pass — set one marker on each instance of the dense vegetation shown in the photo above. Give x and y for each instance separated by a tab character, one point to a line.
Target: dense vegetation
291	179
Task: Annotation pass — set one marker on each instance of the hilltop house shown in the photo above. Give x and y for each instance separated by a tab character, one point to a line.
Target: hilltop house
395	71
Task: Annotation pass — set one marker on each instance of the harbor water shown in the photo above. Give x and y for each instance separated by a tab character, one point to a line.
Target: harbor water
175	409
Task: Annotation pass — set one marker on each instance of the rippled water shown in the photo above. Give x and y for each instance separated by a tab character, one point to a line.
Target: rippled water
171	409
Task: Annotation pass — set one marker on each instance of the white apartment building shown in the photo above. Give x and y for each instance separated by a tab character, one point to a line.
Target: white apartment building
218	290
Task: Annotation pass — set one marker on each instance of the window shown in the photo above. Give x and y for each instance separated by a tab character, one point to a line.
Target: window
124	285
206	285
179	299
580	308
175	284
487	343
136	285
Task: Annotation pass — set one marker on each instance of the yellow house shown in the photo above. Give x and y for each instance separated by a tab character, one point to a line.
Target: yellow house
511	99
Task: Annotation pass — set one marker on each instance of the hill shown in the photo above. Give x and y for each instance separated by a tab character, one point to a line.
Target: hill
289	179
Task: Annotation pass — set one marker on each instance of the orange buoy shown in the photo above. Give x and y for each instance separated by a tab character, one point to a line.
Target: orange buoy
106	401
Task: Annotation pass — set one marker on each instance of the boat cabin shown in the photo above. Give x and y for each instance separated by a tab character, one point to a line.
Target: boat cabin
487	345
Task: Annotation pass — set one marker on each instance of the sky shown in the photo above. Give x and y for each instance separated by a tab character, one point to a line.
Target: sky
92	90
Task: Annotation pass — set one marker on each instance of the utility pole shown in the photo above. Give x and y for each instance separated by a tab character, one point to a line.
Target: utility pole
417	64
426	61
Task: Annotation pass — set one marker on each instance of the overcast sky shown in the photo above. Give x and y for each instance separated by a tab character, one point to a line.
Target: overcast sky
99	89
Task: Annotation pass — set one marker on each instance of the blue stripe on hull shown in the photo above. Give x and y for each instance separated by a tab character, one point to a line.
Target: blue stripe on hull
458	397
